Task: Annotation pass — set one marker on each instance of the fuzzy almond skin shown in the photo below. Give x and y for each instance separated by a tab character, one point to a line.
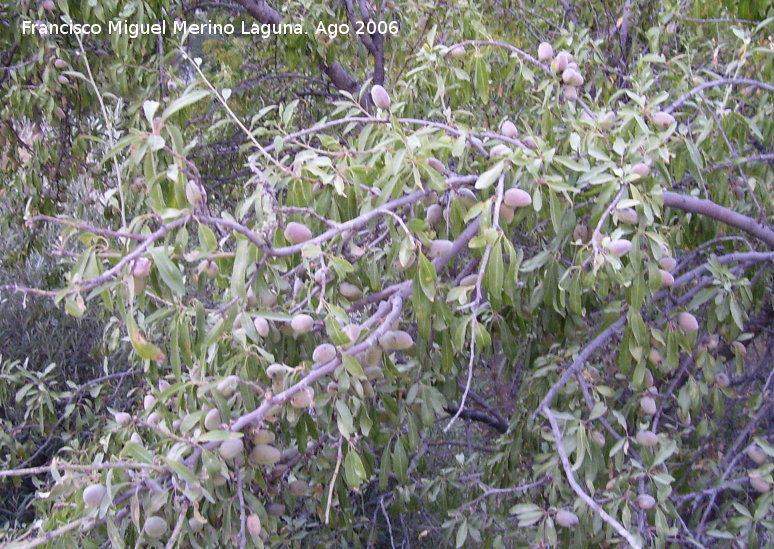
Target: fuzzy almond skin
756	454
437	165
253	524
663	119
261	326
194	194
212	420
509	129
562	60
295	233
627	215
506	214
620	247
323	353
499	150
517	198
647	438
303	398
434	214
758	484
60	63
645	501
606	121
231	448
457	51
298	488
396	340
439	248
566	519
687	322
530	142
350	291
123	419
667	263
545	51
571	77
93	495
381	97
263	454
722	380
141	267
648	406
59	113
641	169
570	93
666	278
301	324
155	527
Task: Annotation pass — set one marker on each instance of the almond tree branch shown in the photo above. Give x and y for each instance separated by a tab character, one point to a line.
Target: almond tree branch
721	82
596	507
720	213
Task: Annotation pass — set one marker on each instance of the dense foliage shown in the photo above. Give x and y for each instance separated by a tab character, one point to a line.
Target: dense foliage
493	276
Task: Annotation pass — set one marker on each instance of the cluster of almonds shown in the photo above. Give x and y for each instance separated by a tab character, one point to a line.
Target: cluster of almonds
564	65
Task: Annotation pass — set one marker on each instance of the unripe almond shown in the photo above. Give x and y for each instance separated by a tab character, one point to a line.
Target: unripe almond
739	348
655	356
123	419
60	63
298	488
516	198
93	495
437	165
439	248
212	420
647	378
641	170
263	454
434	214
295	233
508	129
571	77
276	370
722	380
48	5
499	150
457	51
666	278
324	353
620	247
303	398
627	215
545	51
663	119
687	322
209	268
352	331
332	388
154	418
581	232
63	79
756	454
381	97
606	121
231	448
562	60
261	326
566	519
136	439
194	194
275	509
141	267
506	213
148	402
253	524
350	291
195	525
59	113
301	324
758	484
155	527
228	385
647	438
667	263
529	142
469	280
648	405
569	93
374	372
396	340
262	436
645	501
598	437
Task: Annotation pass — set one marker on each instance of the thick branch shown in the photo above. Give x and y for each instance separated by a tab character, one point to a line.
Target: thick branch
720	213
262	11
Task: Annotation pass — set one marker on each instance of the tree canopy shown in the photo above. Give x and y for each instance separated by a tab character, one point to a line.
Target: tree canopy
375	274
